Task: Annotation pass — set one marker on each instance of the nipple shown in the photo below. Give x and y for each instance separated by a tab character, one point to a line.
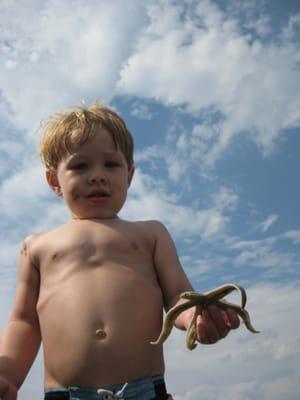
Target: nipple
100	333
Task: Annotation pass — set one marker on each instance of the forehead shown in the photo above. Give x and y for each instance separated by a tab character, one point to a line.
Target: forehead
100	139
98	146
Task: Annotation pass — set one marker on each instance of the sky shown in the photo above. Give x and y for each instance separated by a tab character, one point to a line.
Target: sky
211	93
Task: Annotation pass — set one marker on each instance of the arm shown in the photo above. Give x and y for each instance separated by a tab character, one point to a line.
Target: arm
21	338
171	275
214	323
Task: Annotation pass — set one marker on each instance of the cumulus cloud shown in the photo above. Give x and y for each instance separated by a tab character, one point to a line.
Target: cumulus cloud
192	55
266	253
294	236
20	191
142	111
55	57
149	199
201	59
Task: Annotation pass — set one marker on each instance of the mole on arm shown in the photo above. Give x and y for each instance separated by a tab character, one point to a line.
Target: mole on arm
24	249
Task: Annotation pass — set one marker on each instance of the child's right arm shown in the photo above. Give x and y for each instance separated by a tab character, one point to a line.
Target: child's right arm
21	338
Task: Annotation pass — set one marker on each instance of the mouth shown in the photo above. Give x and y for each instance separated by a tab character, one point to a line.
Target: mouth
98	194
98	197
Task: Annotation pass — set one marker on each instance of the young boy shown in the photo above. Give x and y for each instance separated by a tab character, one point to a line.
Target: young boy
93	289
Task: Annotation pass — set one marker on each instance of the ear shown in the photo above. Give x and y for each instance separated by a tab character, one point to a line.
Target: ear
52	180
130	174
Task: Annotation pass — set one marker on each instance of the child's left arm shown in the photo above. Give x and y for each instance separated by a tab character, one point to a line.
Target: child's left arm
214	323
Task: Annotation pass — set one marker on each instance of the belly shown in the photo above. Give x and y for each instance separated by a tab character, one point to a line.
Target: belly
97	328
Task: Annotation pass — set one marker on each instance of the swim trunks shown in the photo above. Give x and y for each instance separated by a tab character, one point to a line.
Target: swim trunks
152	388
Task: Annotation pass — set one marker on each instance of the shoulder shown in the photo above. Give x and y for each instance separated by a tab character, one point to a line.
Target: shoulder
38	239
152	229
33	240
31	246
148	225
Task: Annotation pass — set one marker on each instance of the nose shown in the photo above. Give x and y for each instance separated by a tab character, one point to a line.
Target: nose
97	176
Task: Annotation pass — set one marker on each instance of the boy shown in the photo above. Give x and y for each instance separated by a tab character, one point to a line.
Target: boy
93	289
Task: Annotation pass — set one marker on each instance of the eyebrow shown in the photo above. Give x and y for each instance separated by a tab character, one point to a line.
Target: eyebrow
105	153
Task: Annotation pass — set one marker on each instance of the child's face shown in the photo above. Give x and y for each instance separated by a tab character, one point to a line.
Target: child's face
94	179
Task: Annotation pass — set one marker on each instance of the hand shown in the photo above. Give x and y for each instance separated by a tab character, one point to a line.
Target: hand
215	323
7	390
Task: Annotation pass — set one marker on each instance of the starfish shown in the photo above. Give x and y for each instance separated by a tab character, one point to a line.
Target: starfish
200	301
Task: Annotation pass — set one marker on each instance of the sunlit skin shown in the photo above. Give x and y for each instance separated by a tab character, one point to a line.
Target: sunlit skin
93	289
93	180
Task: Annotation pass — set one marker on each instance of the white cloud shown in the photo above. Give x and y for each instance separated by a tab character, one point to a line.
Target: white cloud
290	30
205	63
192	55
261	26
266	254
23	192
28	205
60	57
142	111
149	154
294	236
148	199
268	222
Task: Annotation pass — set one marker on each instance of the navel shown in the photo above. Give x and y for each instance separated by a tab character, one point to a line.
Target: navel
101	334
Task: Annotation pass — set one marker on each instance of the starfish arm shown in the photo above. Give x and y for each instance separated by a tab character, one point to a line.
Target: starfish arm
222	291
246	318
191	334
171	316
242	313
195	296
191	338
218	293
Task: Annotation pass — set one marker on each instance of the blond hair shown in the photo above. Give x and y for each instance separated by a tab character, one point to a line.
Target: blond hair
65	131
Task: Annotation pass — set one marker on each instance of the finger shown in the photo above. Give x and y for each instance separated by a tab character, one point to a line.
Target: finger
203	338
201	332
206	330
232	318
219	320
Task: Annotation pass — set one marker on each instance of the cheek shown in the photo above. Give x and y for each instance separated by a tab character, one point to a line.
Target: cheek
71	191
75	194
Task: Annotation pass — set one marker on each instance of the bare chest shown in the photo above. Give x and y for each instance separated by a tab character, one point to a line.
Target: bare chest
89	262
86	249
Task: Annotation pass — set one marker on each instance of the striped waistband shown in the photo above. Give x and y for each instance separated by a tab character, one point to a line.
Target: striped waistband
142	389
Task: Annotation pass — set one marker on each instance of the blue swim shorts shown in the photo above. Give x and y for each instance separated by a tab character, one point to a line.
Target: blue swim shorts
152	388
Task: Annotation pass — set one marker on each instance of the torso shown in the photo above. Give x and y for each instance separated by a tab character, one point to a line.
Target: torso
99	304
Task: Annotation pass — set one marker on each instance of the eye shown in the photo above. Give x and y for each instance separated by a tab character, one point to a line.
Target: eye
79	166
112	164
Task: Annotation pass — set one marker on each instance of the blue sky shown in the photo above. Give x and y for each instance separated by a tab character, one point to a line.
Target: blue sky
211	93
